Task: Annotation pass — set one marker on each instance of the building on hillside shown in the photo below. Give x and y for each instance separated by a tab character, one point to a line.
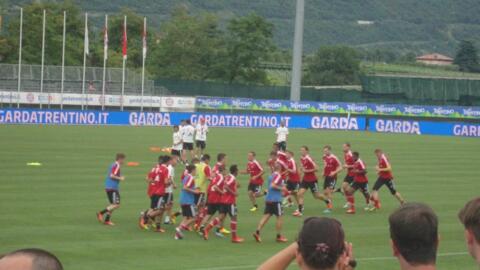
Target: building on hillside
435	59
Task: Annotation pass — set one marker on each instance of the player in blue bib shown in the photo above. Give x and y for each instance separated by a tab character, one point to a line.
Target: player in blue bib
273	204
112	184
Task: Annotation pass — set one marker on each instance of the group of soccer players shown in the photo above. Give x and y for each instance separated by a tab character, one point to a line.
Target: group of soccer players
208	195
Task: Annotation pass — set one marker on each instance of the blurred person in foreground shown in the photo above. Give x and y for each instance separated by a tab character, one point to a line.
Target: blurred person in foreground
414	236
30	259
470	218
320	246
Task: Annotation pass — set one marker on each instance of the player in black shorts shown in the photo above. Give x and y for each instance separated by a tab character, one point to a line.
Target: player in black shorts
112	183
360	182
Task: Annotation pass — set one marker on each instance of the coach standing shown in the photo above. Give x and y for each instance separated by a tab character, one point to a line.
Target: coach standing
282	135
201	131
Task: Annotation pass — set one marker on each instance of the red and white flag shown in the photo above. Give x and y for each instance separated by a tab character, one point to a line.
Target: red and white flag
144	38
124	39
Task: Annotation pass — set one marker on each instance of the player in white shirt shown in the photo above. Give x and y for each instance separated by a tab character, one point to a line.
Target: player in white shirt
168	197
201	131
188	133
282	135
177	145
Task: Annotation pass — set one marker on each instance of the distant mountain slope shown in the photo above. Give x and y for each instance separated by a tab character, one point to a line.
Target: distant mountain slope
418	25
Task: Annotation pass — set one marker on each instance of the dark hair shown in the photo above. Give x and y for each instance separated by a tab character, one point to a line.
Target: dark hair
188	122
190	168
470	217
234	169
176	126
195	160
321	242
327	147
414	232
41	259
165	159
348	144
273	153
160	158
306	148
205	157
221	157
356	154
221	168
120	156
253	153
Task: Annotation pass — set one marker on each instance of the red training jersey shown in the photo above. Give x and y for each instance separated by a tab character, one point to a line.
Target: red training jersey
216	169
271	164
213	196
308	164
360	177
282	159
229	197
295	176
330	164
348	158
382	164
159	176
254	168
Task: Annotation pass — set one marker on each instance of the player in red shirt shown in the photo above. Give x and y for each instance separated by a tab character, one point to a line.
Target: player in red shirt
157	180
228	206
221	162
309	181
282	159
255	170
293	180
360	181
331	167
214	199
385	177
271	161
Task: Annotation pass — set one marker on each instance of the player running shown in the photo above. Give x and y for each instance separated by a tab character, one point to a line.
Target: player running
201	130
331	167
360	181
168	198
272	160
255	170
177	145
112	183
282	135
348	165
202	181
214	199
228	206
273	205
187	132
385	177
293	180
157	180
309	182
187	201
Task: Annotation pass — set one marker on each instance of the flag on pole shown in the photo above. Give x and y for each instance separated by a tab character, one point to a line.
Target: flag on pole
105	40
144	38
86	44
124	40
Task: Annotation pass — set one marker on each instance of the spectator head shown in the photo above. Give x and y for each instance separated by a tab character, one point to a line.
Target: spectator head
470	218
321	244
414	235
30	259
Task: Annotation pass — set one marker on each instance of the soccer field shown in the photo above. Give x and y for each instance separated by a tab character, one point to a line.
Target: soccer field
53	206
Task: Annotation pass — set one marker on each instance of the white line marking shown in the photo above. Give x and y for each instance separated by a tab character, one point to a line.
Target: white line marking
448	254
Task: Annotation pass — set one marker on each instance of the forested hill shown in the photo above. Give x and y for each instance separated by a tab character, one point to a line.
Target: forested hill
416	25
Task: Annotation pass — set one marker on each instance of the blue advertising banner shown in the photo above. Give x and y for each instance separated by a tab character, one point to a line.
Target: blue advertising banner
337	108
424	127
57	117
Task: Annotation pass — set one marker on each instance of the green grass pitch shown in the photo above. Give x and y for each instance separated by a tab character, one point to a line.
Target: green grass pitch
53	206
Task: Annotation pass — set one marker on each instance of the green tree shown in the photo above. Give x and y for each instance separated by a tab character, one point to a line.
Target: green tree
189	47
32	34
467	57
249	41
333	65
